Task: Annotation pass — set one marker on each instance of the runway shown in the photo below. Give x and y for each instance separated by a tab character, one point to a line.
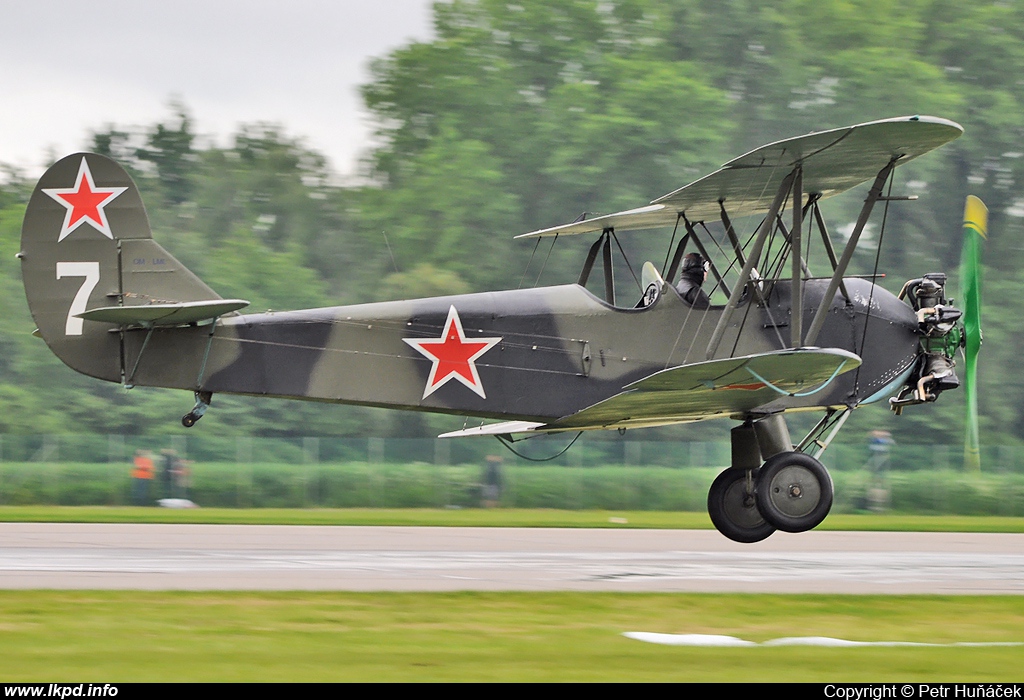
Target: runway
270	557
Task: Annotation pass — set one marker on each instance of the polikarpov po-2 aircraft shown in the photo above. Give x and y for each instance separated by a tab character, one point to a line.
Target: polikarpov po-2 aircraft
113	304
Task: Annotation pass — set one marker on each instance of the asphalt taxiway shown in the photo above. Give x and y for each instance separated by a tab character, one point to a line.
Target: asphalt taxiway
270	557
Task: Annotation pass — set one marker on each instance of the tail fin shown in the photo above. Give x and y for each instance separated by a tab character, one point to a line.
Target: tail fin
86	245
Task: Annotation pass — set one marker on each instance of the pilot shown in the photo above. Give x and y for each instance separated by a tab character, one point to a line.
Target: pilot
695	271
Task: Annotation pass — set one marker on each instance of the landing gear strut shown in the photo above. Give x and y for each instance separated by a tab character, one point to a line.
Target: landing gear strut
732	499
203	399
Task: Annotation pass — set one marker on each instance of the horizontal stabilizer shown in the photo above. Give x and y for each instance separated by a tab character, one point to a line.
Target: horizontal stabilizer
176	314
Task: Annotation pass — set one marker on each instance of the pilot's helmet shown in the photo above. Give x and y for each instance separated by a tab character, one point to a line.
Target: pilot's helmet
694	261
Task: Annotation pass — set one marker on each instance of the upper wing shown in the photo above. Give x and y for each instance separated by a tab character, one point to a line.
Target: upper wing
833	161
698	391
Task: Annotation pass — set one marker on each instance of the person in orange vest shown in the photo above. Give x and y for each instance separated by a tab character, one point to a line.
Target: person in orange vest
142	477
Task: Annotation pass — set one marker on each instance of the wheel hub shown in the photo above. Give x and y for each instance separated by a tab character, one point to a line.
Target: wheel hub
789	489
732	505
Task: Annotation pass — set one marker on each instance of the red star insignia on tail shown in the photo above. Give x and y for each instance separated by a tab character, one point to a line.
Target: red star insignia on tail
85	203
454	356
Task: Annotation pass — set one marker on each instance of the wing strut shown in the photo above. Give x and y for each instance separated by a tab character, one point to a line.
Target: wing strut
675	230
823	230
755	253
677	258
609	277
796	325
604	245
589	264
786	236
869	202
832	421
730	231
703	251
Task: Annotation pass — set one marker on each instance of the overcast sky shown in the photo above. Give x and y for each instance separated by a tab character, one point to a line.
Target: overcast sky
68	67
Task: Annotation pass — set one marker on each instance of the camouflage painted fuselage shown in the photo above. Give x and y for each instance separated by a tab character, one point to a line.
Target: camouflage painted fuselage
561	349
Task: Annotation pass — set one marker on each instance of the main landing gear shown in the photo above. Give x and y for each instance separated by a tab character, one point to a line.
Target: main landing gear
791	491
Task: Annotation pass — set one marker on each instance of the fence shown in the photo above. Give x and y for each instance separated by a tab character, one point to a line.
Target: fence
375	450
376	472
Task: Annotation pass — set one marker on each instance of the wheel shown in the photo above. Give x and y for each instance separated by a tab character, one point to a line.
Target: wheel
794	491
188	420
732	506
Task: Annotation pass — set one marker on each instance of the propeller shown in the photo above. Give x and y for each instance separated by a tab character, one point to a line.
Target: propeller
975	229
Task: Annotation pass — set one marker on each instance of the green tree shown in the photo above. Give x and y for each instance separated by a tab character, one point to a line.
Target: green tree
454	212
169	151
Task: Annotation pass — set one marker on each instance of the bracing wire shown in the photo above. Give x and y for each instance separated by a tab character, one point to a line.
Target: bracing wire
874	277
508	446
546	258
390	252
629	265
521	279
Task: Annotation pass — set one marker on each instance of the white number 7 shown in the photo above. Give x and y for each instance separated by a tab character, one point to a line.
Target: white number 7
91	272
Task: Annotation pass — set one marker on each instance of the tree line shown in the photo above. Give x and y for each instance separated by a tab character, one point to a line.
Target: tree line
521	115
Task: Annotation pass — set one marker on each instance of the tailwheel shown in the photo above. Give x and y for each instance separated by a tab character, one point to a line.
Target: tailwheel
732	505
794	491
203	399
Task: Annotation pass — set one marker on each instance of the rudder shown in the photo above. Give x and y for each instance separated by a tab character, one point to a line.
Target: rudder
86	244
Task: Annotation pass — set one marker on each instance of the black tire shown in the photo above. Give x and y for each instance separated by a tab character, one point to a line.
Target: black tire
733	510
188	420
794	491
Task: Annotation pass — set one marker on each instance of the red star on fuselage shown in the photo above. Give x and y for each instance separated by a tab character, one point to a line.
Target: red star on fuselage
454	356
85	203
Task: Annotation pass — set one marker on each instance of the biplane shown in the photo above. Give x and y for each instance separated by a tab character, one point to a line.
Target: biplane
111	303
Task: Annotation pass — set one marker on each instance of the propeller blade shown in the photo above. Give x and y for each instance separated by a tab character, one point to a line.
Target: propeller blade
975	229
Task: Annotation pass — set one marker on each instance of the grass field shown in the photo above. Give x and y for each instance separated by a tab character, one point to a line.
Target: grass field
184	636
476	517
121	636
